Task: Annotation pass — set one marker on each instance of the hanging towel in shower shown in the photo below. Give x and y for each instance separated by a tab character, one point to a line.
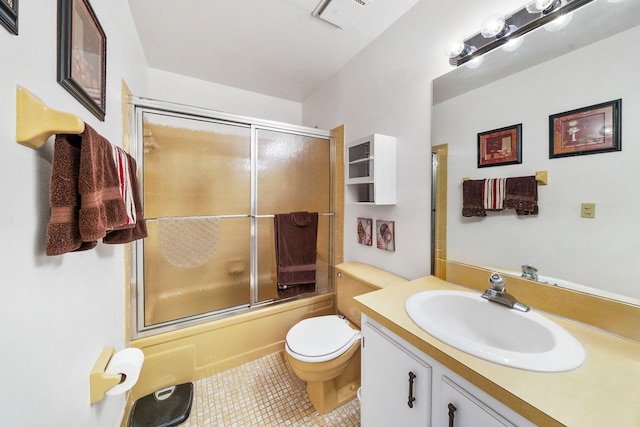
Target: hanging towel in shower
296	236
521	194
139	228
493	196
472	198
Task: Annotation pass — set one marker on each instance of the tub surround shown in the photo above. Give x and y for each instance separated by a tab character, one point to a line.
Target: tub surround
603	391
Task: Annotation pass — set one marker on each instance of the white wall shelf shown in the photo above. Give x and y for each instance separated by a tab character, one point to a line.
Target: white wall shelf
371	170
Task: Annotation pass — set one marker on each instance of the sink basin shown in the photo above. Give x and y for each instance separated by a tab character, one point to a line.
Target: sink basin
496	333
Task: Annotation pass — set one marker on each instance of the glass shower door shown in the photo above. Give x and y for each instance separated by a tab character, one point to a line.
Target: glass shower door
197	180
293	173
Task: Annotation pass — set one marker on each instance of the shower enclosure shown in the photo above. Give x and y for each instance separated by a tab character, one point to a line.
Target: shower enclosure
211	185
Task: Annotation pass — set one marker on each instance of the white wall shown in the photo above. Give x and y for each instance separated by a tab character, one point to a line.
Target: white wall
387	89
172	87
56	313
596	252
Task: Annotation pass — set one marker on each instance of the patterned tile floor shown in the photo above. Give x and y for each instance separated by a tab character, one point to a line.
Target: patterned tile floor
262	393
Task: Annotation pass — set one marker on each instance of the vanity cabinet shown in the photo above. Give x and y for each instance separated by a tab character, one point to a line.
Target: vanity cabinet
442	398
371	170
396	384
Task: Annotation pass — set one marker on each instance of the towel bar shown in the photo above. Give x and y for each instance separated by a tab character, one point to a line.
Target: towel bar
36	122
542	177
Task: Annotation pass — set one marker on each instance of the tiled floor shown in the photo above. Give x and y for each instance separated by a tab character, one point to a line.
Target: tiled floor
262	393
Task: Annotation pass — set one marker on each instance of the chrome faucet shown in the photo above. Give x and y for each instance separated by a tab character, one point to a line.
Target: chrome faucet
496	293
530	272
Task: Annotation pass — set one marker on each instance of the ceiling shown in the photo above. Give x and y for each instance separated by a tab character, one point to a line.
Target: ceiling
273	47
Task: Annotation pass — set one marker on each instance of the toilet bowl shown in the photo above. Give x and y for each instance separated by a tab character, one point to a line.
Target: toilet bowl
324	351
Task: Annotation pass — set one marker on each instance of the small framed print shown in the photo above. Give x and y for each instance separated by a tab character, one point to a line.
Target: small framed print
589	130
365	227
9	15
500	146
385	235
82	55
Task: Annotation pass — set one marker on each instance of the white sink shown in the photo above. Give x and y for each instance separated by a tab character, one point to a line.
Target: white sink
496	333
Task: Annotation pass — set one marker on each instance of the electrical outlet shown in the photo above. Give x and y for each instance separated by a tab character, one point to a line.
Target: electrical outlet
588	210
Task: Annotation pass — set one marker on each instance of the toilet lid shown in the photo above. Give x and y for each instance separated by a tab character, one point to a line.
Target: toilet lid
318	337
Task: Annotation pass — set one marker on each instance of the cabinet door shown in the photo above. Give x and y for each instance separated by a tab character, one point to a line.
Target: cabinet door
396	385
461	409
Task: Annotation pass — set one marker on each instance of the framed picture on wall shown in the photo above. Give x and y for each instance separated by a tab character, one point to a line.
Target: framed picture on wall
588	130
500	146
9	15
385	235
82	55
365	227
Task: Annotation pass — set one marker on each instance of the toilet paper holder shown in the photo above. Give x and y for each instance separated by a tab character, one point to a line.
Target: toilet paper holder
99	380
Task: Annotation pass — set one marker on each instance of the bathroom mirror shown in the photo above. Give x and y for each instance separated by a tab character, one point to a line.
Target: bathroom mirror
593	60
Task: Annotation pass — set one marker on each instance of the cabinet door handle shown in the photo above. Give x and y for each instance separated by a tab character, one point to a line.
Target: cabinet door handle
452	409
412	376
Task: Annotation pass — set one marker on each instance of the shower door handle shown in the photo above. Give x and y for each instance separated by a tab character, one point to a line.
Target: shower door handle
412	399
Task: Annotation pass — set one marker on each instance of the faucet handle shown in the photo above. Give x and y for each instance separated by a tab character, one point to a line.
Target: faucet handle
529	268
497	282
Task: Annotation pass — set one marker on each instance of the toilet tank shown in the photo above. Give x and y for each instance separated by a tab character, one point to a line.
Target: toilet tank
353	279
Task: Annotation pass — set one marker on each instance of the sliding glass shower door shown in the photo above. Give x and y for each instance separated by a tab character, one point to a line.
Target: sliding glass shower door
211	187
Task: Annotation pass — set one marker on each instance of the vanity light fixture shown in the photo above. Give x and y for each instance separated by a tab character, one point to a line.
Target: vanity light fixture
508	31
543	6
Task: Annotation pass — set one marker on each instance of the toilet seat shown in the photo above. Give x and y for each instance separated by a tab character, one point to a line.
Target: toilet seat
319	339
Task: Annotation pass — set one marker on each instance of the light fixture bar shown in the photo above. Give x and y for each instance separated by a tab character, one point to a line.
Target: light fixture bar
524	22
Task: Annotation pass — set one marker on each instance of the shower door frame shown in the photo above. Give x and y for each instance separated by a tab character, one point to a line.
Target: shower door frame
140	105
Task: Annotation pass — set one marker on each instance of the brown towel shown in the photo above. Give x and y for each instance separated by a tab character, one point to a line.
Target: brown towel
139	231
63	234
473	198
101	206
296	236
85	197
521	194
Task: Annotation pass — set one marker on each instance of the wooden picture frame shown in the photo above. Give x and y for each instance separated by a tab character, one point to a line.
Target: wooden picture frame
82	55
588	130
500	147
9	15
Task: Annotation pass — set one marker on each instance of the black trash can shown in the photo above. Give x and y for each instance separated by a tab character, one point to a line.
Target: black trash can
164	408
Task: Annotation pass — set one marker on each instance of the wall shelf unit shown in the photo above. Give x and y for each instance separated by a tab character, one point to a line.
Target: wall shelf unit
371	170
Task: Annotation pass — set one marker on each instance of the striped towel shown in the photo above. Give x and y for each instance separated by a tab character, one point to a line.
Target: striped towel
493	197
122	164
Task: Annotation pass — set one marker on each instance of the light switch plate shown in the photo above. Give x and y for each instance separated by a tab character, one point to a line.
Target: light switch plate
588	210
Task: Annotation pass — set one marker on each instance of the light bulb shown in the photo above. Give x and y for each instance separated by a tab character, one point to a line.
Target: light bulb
493	26
537	6
457	48
559	23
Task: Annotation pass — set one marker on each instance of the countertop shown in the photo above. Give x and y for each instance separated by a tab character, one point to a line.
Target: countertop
604	391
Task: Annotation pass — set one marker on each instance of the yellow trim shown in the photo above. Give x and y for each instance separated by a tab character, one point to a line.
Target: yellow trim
36	122
99	381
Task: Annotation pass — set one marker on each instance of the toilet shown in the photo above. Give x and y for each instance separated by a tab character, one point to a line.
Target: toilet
324	351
